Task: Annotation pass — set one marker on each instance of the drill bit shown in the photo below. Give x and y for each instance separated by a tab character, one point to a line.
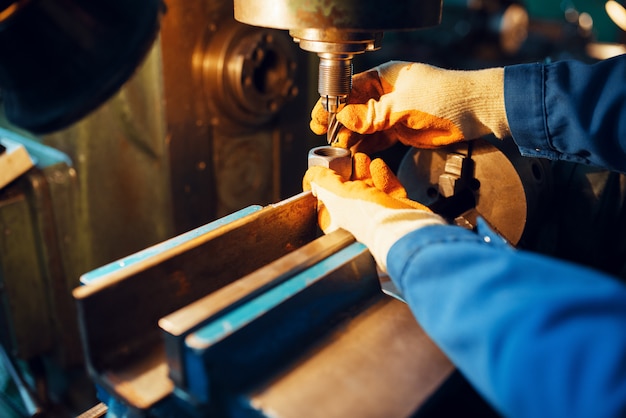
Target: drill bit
332	135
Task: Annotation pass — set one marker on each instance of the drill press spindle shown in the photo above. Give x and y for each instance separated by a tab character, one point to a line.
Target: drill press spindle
337	30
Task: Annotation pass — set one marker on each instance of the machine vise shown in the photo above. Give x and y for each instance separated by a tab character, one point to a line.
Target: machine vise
254	314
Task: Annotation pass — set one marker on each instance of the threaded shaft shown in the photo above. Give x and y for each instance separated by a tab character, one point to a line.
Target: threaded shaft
335	82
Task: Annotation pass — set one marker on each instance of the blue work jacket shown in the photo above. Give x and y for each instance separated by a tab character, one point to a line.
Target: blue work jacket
536	336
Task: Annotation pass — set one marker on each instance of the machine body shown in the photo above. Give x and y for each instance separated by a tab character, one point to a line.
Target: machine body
261	335
337	31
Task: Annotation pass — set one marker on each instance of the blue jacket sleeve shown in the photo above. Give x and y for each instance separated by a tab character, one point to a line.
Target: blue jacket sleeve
536	336
569	110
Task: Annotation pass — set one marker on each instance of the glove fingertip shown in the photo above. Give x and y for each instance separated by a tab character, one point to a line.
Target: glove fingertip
323	220
346	138
317	128
385	180
354	117
371	144
360	166
310	176
319	119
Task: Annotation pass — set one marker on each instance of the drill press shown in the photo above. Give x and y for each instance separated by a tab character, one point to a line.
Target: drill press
337	30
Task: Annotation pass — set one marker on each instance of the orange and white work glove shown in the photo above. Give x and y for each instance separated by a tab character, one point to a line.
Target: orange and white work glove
419	105
373	206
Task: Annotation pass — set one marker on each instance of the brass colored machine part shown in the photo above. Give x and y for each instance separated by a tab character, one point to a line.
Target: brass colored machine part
337	31
491	180
248	73
229	133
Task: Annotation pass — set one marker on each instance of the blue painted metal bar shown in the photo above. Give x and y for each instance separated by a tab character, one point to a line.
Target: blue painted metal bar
233	321
150	252
178	325
247	344
43	156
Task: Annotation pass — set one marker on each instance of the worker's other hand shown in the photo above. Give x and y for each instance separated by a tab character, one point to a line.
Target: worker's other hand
419	105
373	206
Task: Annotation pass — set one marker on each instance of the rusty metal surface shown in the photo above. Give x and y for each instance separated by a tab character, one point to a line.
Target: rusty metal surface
379	364
189	132
150	290
141	382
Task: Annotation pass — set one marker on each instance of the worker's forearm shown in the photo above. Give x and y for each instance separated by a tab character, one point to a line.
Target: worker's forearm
535	336
569	110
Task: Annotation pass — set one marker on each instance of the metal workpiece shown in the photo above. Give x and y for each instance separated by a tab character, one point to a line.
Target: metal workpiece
126	357
335	158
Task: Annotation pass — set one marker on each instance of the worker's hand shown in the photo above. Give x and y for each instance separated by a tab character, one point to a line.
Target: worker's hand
419	105
373	206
